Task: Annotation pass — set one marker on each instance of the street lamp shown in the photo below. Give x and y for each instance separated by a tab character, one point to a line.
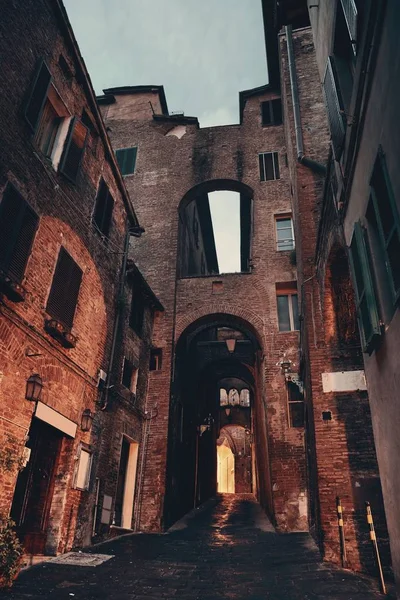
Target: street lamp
34	388
87	420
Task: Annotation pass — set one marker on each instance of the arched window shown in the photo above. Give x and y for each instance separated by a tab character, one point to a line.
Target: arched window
245	398
234	398
223	397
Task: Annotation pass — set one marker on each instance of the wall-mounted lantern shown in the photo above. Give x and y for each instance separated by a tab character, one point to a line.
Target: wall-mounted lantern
231	345
34	386
87	420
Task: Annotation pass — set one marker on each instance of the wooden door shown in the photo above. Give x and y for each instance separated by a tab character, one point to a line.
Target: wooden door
35	485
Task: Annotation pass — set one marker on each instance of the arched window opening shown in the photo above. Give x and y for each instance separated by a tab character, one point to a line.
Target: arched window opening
215	229
245	398
223	397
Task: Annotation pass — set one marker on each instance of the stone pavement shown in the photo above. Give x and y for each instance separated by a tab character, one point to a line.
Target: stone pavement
228	550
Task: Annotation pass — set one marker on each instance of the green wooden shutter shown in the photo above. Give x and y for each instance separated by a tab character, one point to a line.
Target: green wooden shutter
334	108
38	94
367	310
73	150
126	158
388	219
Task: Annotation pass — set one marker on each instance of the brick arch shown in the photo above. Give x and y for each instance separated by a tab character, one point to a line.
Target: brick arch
250	319
214	185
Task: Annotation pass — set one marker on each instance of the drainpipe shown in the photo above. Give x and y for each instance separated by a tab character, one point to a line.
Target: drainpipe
307	162
135	232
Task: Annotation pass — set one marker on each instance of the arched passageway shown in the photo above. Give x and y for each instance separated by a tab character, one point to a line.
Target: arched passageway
215	397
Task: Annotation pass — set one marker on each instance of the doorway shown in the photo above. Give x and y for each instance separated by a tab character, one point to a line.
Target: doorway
35	486
225	470
125	495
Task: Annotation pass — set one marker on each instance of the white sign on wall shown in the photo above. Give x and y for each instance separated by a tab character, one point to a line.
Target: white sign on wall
344	381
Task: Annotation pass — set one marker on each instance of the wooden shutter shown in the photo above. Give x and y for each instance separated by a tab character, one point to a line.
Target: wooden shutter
73	151
18	224
64	291
126	159
367	310
334	108
262	166
103	209
37	96
350	14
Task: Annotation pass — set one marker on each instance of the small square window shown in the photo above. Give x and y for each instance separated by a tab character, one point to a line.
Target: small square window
126	158
271	112
130	376
269	166
155	359
284	233
287	305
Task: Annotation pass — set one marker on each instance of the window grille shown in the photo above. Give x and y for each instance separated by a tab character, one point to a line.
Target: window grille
269	166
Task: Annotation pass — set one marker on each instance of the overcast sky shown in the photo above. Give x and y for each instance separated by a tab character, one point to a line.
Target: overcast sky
204	52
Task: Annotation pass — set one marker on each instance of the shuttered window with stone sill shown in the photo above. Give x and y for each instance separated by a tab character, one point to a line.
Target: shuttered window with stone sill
64	292
126	158
367	309
103	209
18	225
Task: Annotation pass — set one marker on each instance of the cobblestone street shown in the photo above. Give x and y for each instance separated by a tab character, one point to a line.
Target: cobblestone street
227	550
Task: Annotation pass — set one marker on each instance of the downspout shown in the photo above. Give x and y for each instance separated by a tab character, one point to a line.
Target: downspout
307	162
135	232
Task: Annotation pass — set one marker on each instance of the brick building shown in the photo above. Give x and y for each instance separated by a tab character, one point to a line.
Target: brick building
177	166
339	198
69	406
195	379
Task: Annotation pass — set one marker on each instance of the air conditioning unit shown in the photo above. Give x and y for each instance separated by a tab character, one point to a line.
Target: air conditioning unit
101	379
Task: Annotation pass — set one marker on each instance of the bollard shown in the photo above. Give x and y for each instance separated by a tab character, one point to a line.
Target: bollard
375	547
339	510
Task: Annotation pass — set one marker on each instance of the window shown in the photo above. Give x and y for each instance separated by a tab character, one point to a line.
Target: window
155	359
103	209
367	311
269	166
388	220
223	397
296	405
350	14
18	224
126	158
129	376
271	112
245	398
287	304
284	233
83	469
137	313
64	291
50	121
334	106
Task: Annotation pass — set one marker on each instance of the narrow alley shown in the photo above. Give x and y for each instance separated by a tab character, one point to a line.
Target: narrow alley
228	549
